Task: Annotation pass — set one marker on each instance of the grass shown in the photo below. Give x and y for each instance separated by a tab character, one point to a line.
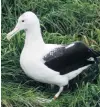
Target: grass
62	21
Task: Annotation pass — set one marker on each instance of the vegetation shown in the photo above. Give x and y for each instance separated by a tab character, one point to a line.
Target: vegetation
62	21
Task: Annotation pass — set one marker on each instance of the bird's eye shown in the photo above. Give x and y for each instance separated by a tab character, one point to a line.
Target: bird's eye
22	20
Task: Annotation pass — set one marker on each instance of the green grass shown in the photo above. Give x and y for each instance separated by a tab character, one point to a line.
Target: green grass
62	22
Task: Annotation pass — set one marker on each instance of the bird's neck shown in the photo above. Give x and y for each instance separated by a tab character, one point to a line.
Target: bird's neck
34	37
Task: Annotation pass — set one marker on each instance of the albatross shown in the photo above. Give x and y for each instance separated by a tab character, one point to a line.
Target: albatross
54	64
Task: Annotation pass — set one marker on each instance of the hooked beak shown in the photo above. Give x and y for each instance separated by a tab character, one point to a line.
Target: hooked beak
12	33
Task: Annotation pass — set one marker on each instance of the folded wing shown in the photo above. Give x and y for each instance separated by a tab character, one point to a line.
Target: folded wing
65	59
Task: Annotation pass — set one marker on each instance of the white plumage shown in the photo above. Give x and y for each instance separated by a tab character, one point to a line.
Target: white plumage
32	56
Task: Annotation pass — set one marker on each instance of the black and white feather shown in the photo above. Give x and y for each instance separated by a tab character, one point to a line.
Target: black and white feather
65	59
50	63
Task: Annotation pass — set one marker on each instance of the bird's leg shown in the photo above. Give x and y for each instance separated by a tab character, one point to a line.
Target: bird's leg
43	100
58	93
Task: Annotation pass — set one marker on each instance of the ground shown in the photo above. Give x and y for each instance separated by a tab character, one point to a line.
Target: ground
62	22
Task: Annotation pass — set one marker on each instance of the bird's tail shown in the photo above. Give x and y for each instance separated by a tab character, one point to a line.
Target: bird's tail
95	55
73	74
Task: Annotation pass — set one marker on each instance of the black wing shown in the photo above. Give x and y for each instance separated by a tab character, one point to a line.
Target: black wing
65	59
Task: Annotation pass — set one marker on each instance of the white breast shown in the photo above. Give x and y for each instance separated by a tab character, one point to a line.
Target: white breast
30	60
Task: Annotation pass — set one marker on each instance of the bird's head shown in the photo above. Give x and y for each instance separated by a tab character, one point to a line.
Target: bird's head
26	21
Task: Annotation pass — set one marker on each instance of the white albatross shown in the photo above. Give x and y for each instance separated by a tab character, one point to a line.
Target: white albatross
50	63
